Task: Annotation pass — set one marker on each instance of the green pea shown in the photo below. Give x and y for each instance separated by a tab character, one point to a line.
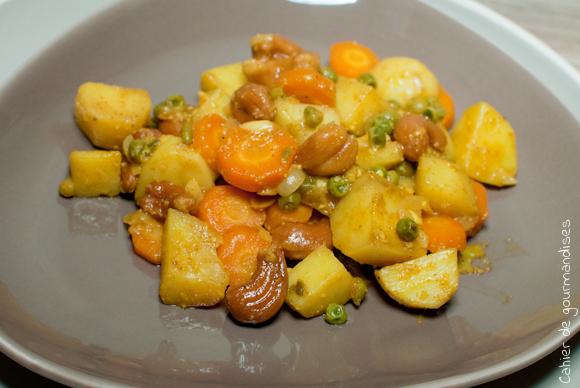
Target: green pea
312	116
187	133
141	149
167	106
125	146
309	183
335	314
358	291
407	229
290	202
377	136
136	149
405	169
329	73
152	146
338	186
382	126
176	100
392	177
379	170
368	79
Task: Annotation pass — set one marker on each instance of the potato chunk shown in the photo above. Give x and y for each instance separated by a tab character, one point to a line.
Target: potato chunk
191	272
364	223
93	173
387	156
401	78
174	162
447	188
108	113
213	102
485	146
424	283
290	116
357	104
317	281
228	78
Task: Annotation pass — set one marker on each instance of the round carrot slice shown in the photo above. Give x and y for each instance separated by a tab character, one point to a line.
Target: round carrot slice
351	59
239	252
207	137
309	86
444	233
447	101
256	160
225	206
276	216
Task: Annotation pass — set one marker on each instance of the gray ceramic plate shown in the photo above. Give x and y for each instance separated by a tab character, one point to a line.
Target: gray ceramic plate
77	306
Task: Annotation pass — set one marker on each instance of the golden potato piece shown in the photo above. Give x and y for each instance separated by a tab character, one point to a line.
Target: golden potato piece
290	116
317	281
215	101
485	146
401	78
357	104
447	188
228	78
93	173
364	222
191	272
388	156
424	283
108	113
175	162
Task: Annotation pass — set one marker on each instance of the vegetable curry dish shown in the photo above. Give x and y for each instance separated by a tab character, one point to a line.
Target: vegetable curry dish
287	174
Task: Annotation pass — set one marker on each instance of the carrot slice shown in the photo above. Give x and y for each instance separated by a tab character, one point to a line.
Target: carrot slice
225	206
351	59
276	216
239	252
256	160
447	101
208	135
146	235
481	195
443	233
309	86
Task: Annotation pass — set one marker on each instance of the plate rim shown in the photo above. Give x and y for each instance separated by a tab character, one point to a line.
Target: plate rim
542	62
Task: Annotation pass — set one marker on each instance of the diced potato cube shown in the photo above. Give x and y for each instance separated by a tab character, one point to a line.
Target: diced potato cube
357	104
401	78
370	156
191	272
447	188
214	102
317	281
485	146
108	113
175	162
424	283
228	78
290	116
364	222
93	173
